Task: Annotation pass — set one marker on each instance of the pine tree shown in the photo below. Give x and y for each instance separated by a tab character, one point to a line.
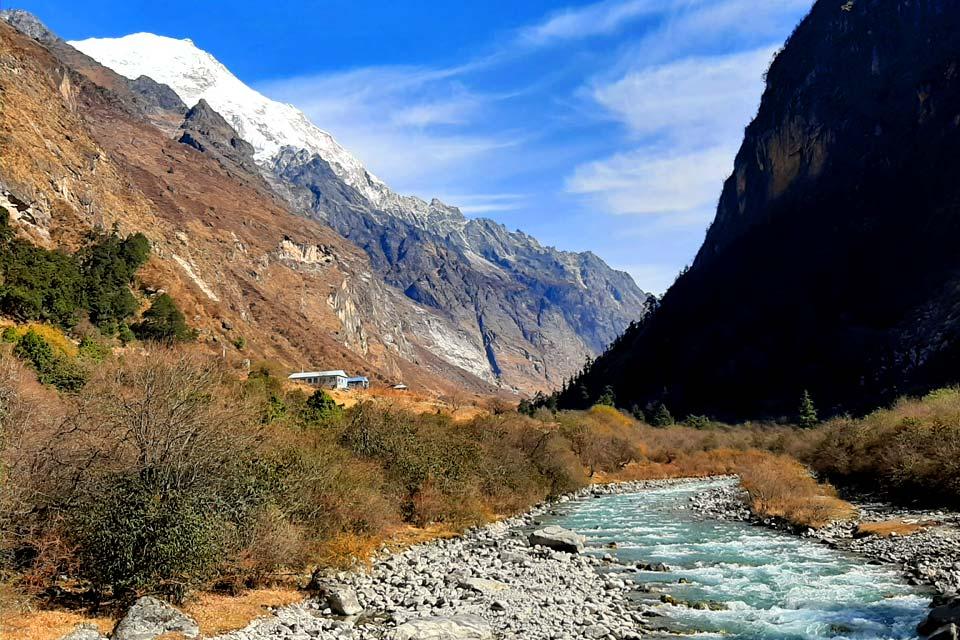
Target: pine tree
608	397
808	412
164	322
661	416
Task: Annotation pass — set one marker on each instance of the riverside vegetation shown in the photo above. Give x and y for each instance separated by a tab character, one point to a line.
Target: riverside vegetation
130	468
167	472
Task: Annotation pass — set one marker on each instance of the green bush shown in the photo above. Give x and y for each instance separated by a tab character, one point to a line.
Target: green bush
164	322
136	536
59	370
698	422
125	334
10	335
321	409
93	350
33	348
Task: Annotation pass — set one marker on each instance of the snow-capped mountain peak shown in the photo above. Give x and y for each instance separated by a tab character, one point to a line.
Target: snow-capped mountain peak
267	124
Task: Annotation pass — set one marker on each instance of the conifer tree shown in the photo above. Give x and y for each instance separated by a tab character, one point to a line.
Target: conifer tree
661	416
808	412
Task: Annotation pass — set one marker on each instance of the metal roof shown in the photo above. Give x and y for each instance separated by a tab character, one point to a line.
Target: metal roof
338	373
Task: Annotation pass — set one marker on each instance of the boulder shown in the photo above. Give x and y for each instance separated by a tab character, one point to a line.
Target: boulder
558	539
940	616
443	628
85	631
484	586
149	618
343	601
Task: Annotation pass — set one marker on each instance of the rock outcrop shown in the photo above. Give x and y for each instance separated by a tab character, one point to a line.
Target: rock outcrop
149	618
206	131
831	263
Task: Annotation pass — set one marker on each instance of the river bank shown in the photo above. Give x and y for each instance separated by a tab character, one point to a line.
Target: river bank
491	583
928	554
488	583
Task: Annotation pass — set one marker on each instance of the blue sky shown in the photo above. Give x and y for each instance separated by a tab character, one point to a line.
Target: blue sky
607	126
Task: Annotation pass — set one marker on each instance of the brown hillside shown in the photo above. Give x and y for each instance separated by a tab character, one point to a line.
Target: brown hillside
235	259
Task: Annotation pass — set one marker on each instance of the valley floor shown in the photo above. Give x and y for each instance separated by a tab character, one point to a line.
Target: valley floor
491	583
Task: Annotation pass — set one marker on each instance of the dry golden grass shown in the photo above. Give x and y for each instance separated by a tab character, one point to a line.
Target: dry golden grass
218	614
460	409
346	550
779	486
889	528
54	336
46	624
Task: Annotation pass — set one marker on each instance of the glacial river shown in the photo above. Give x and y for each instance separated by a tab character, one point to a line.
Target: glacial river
774	585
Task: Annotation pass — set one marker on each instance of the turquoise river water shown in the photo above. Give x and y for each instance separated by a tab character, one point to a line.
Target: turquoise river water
773	584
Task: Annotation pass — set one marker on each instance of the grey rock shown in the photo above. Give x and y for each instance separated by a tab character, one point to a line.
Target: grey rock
149	618
484	586
158	96
343	601
465	627
85	631
28	24
558	539
940	616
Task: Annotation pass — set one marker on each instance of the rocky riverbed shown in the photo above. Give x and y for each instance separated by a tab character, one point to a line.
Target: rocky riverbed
491	582
512	579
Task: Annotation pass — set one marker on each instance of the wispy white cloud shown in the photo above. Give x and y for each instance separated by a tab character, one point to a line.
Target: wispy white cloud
408	124
591	20
685	120
654	181
691	100
480	203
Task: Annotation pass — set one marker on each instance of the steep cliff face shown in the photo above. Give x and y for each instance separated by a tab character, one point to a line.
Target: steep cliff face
831	264
79	154
532	313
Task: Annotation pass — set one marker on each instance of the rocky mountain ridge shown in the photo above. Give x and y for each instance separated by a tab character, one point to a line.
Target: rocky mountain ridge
80	154
534	312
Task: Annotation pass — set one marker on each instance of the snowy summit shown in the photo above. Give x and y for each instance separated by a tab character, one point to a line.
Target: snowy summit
194	74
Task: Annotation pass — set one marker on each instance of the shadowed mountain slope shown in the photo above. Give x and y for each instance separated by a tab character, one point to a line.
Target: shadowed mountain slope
832	263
